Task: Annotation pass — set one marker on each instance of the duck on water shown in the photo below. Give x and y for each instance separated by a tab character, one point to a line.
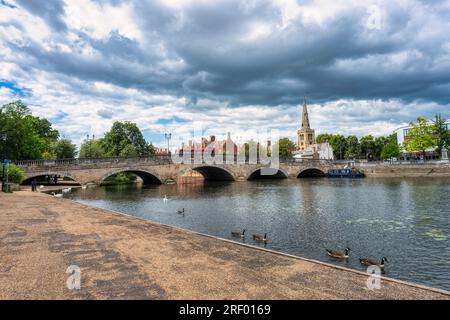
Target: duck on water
338	254
372	262
238	233
260	238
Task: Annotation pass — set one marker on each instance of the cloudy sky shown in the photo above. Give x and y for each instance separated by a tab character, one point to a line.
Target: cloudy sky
239	66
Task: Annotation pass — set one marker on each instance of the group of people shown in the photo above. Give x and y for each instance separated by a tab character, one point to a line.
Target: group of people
53	179
49	179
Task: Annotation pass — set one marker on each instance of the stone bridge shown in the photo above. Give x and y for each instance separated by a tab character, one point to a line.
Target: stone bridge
163	170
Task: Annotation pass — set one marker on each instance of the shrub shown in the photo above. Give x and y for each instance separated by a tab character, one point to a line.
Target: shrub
15	174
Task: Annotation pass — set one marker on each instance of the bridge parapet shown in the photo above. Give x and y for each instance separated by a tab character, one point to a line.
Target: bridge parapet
157	160
88	162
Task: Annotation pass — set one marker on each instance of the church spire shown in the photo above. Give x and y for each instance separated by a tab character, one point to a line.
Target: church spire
305	118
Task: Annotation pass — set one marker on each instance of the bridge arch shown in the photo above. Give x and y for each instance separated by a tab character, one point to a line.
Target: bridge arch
310	173
40	177
275	174
214	173
147	176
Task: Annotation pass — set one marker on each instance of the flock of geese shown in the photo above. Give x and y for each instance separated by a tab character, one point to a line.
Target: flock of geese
332	253
255	237
364	261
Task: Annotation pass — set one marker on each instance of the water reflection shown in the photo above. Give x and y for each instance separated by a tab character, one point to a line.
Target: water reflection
405	220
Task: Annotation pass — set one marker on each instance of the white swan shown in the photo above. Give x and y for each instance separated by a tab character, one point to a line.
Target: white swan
57	195
66	190
165	198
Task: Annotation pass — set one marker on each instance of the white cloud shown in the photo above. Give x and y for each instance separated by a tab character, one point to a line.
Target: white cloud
100	19
238	68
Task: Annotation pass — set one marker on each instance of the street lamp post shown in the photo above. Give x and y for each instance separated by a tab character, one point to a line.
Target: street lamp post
89	141
3	138
168	136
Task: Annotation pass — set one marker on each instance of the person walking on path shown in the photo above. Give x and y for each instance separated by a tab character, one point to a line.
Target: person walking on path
33	185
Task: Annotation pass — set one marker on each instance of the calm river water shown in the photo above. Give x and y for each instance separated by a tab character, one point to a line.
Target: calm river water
407	221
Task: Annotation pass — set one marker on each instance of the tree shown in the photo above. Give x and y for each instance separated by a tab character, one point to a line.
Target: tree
125	138
379	144
92	149
391	149
151	149
27	137
442	134
129	151
421	136
339	145
285	148
353	148
324	137
64	149
368	147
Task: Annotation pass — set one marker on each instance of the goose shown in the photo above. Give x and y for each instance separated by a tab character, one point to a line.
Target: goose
180	211
238	233
258	237
41	186
165	198
57	195
371	262
66	190
338	254
84	187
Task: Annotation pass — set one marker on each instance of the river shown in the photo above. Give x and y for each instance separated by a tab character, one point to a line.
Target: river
405	220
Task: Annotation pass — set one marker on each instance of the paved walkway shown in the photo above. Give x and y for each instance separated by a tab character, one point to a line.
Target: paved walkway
126	258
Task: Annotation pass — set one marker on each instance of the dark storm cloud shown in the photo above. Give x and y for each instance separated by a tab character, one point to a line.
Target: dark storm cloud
51	11
201	51
104	113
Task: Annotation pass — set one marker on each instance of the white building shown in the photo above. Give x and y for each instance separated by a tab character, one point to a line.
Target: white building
317	151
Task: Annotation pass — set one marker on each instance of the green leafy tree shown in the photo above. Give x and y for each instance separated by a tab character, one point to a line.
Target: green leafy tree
391	149
15	174
337	141
151	149
129	151
92	149
285	148
27	137
421	136
368	147
380	143
442	134
324	137
64	149
339	145
353	148
125	138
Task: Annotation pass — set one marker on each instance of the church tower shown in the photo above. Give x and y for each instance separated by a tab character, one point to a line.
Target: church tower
305	135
